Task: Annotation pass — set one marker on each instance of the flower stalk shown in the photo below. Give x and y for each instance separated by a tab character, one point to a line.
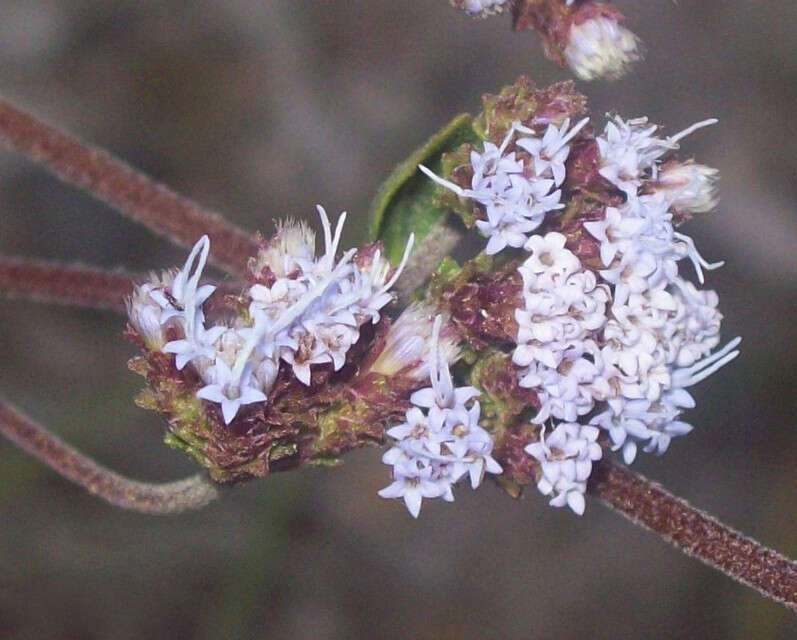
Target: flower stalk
122	187
63	284
696	533
74	285
166	498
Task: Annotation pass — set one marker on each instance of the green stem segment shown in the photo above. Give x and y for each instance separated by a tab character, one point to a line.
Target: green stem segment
124	188
696	533
160	499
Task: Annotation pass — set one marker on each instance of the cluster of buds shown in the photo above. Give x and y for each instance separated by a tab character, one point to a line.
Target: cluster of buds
603	327
585	35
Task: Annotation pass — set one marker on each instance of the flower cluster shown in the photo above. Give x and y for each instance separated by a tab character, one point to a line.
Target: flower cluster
565	458
302	310
563	313
608	334
517	188
440	441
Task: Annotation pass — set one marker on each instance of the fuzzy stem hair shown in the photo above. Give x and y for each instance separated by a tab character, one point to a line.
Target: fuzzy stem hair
124	188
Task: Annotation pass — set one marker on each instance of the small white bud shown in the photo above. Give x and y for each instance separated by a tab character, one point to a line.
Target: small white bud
600	48
689	187
409	341
144	311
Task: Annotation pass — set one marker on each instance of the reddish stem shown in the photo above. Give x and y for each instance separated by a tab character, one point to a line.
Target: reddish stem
65	284
75	285
696	533
167	498
124	188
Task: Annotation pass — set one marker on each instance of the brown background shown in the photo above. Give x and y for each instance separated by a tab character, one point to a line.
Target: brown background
262	109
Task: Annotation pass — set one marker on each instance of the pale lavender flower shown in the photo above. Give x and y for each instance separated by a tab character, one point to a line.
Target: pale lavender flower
566	456
514	202
550	152
437	447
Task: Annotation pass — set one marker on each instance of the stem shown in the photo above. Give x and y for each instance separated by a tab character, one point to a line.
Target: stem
167	498
124	188
696	533
65	284
76	285
438	243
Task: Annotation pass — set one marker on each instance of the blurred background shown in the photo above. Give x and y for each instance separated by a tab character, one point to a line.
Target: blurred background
261	110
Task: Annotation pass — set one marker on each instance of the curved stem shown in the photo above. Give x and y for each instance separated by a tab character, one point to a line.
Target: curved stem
166	498
124	188
696	533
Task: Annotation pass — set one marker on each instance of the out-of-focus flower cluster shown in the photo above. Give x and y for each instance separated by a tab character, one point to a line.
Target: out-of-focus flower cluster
607	332
587	36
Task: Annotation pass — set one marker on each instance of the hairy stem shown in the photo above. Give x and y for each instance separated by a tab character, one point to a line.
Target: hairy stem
438	243
76	285
166	498
65	284
696	533
124	188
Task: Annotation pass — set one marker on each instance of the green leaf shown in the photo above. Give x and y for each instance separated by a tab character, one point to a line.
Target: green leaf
408	202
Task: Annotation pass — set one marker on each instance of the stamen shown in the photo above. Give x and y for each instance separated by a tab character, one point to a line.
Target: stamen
692	129
443	182
327	228
704	368
336	239
573	132
696	258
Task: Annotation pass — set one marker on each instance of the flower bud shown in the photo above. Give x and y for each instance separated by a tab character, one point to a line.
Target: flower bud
598	46
144	312
688	186
409	341
481	8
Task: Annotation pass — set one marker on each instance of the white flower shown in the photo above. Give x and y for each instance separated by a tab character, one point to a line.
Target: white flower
615	232
514	202
629	150
291	248
185	308
600	48
549	255
571	388
416	478
566	458
550	152
688	187
563	307
228	391
306	310
640	247
436	448
654	420
320	304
